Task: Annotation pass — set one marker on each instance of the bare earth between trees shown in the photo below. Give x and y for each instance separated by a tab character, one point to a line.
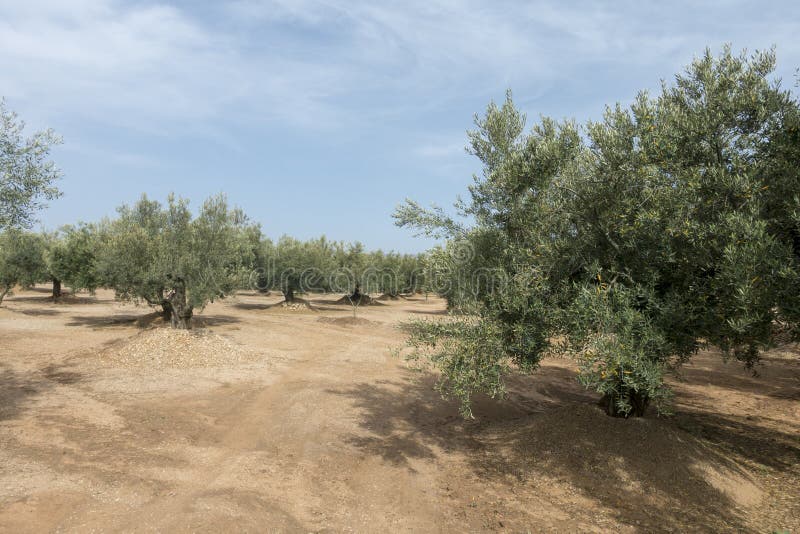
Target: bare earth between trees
301	420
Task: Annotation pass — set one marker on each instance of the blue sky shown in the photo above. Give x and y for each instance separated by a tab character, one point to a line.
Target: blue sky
320	116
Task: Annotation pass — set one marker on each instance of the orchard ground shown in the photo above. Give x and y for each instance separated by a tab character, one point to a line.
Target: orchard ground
302	420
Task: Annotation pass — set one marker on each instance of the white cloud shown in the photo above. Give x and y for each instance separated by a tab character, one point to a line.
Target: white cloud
320	64
145	67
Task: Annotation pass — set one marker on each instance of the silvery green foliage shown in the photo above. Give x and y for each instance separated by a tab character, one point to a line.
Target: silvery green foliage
26	174
164	255
21	260
322	265
631	242
72	257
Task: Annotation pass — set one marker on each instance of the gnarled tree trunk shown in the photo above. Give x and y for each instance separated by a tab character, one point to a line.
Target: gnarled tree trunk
4	290
356	296
638	401
56	288
166	310
288	294
182	317
182	312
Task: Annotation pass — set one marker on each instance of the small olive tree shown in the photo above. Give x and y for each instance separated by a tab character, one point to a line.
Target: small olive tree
22	260
72	259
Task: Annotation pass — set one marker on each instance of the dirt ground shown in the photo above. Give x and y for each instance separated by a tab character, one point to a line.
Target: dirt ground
304	421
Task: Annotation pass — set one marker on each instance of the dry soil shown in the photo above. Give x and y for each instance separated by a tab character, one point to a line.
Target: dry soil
300	419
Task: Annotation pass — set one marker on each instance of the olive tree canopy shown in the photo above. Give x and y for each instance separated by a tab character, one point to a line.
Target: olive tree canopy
632	242
27	176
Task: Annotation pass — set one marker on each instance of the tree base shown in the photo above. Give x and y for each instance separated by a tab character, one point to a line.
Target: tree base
296	303
637	401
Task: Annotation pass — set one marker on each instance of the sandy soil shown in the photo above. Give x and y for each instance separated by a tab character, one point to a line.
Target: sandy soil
307	423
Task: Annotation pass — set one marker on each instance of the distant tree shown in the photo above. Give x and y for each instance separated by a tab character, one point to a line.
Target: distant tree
26	174
352	264
391	273
629	243
166	257
289	262
262	277
301	265
251	252
21	260
72	259
321	265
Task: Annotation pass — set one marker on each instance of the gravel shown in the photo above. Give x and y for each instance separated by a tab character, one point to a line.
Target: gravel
170	348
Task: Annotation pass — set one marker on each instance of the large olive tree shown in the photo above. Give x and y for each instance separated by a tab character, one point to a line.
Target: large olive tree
631	242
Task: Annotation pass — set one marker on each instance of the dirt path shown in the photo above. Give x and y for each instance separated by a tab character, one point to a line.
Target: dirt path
324	430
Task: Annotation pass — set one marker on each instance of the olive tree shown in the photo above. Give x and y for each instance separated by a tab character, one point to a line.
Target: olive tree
296	265
72	259
167	257
27	176
288	263
321	265
21	260
631	242
391	273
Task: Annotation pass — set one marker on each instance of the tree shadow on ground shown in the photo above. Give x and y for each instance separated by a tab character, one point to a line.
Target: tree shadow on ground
430	312
248	306
343	302
15	391
61	374
778	378
148	320
65	299
413	415
206	321
112	321
43	290
650	473
43	299
18	389
39	312
744	436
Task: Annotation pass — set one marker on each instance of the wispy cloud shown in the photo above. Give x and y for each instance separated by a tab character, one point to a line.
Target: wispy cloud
312	100
325	63
147	66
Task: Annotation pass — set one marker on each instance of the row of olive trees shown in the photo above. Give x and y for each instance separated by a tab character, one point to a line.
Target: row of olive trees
27	180
170	258
27	258
160	254
320	265
628	243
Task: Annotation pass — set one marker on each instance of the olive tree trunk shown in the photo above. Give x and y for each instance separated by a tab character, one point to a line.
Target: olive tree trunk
181	316
56	288
637	400
166	310
288	294
356	296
